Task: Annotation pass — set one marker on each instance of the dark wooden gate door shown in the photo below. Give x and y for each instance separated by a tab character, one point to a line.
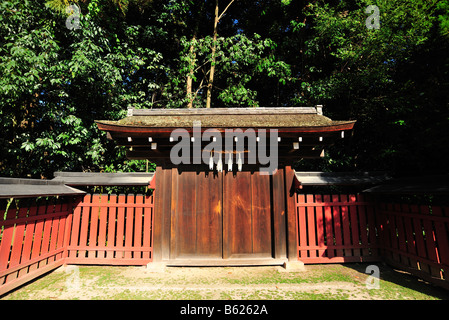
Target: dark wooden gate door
220	216
247	231
196	218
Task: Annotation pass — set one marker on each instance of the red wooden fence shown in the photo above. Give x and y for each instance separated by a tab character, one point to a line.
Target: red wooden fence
99	229
38	236
336	228
416	238
33	236
112	229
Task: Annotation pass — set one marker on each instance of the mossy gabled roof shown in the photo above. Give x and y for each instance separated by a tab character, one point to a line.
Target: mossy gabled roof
227	121
228	118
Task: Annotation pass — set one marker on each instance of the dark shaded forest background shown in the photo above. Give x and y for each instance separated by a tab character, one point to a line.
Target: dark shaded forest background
55	80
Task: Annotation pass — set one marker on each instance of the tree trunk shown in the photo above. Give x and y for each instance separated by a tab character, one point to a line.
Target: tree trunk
189	80
212	67
190	75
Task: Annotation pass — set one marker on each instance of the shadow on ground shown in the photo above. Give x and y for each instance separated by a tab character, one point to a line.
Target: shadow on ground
390	275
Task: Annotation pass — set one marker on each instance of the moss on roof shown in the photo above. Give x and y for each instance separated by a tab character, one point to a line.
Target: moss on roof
227	121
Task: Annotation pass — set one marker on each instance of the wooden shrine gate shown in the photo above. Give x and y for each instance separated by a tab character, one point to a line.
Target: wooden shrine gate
220	218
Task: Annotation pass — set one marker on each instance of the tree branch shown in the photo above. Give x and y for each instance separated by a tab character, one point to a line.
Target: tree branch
201	66
225	10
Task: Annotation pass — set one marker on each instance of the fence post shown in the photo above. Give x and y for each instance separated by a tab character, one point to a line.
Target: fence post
72	205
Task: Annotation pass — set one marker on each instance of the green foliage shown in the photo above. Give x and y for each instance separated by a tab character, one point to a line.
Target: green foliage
55	82
239	59
388	79
443	16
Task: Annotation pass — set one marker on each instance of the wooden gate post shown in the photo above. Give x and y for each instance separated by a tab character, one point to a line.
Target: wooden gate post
292	235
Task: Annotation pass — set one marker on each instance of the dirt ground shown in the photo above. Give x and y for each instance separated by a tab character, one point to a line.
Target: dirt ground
316	282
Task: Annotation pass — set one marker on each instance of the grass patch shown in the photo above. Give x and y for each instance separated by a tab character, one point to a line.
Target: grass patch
317	282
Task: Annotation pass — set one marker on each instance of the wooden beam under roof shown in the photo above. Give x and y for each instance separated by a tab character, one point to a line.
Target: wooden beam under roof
286	142
115	128
155	155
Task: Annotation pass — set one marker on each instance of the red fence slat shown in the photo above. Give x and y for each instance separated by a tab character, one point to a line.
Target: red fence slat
346	226
337	224
138	232
320	226
147	226
75	234
310	229
54	233
120	227
6	241
129	226
103	219
418	229
46	236
28	242
85	218
441	231
19	233
302	227
328	220
430	239
111	227
354	226
93	228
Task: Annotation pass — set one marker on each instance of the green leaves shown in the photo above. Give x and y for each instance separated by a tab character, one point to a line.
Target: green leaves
239	95
54	82
443	17
374	76
239	59
28	146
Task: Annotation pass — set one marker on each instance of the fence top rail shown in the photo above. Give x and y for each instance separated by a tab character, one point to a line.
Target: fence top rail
27	188
306	178
104	178
433	184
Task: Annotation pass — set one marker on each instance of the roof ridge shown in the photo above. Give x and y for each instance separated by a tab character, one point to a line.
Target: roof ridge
226	111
